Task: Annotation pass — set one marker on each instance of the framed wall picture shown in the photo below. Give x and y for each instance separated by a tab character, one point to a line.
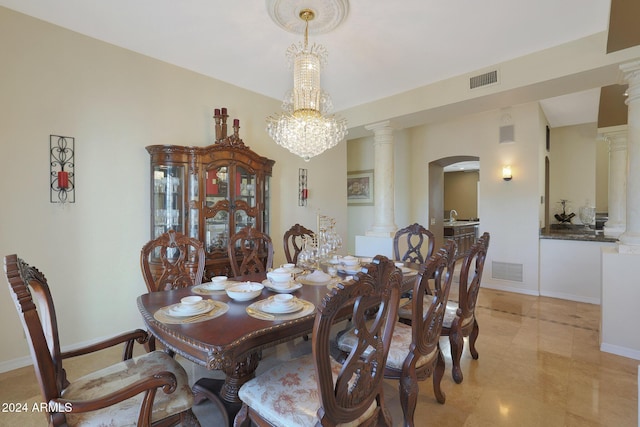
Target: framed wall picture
360	188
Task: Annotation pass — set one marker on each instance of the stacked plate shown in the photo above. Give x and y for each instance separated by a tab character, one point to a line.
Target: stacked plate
190	306
280	304
282	287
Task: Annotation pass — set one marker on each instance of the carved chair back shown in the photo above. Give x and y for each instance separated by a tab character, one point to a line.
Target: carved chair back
250	252
293	240
469	287
373	297
34	303
434	282
419	242
172	261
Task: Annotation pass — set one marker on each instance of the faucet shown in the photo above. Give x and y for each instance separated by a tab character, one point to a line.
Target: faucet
451	213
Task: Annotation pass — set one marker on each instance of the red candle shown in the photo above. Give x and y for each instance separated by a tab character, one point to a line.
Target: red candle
224	111
236	122
216	112
305	194
63	179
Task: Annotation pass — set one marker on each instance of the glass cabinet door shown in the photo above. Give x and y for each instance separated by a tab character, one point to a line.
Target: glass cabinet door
168	199
217	203
245	199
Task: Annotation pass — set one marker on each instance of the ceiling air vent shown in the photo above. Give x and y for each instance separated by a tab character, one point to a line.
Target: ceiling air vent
485	79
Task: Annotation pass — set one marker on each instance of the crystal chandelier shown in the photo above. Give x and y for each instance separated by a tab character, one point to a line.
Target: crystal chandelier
303	128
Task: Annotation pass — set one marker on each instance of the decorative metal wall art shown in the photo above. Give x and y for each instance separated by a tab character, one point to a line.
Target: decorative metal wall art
62	166
303	192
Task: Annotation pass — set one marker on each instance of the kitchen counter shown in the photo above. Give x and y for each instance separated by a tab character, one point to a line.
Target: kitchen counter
574	232
460	223
464	233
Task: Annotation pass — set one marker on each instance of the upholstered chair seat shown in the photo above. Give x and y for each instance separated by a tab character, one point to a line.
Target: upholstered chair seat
399	350
120	376
406	312
316	390
287	394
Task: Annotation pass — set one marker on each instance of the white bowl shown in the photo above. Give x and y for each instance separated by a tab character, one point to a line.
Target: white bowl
350	260
244	291
193	300
282	300
218	283
289	267
190	304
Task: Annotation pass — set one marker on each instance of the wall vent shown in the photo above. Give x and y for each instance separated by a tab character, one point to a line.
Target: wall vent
485	79
507	134
506	271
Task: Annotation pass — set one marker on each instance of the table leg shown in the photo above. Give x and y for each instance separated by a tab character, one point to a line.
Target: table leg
224	393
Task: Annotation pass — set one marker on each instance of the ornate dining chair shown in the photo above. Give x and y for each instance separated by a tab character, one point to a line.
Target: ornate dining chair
317	390
415	351
250	252
293	239
413	237
151	389
460	319
172	261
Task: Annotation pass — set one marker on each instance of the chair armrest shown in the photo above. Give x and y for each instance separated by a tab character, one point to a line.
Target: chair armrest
129	338
149	385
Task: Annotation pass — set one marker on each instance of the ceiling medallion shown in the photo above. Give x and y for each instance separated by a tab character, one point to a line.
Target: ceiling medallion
328	14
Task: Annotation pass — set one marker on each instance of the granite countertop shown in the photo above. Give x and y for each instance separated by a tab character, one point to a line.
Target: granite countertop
460	223
574	232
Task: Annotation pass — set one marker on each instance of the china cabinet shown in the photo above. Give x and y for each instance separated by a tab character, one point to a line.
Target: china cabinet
210	193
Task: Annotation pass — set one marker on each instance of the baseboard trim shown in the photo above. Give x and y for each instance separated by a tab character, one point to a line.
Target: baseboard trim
570	297
11	365
620	351
515	290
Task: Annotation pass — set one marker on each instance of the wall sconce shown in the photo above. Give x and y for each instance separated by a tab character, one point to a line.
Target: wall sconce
303	191
62	167
506	173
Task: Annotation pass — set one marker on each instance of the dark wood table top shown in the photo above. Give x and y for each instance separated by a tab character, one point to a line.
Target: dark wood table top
219	342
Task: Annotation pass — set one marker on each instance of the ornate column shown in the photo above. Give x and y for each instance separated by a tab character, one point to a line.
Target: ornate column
630	239
383	181
616	137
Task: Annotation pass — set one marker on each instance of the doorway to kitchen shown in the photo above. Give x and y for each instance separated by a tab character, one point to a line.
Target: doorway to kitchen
465	184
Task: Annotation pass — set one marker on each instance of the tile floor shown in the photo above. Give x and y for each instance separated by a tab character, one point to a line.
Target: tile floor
539	365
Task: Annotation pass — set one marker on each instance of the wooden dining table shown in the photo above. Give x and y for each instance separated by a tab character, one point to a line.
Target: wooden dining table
232	342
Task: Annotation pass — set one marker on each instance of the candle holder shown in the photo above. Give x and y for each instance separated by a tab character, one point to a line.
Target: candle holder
62	167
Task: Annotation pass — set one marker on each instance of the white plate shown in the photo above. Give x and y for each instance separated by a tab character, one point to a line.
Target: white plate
216	286
268	306
292	288
306	281
178	310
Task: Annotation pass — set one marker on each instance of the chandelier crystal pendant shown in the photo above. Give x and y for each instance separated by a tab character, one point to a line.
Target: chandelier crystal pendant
304	128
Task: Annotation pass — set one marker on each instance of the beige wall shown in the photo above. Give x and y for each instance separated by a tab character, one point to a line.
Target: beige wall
461	194
114	102
572	168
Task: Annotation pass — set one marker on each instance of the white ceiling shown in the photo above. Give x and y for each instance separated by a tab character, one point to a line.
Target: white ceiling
382	48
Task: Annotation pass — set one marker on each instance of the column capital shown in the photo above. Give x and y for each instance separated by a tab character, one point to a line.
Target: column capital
375	127
613	132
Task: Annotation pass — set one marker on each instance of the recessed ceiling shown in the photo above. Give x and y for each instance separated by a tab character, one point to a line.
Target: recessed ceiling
382	48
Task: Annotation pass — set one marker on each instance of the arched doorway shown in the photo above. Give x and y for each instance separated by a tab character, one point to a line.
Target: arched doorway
436	192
